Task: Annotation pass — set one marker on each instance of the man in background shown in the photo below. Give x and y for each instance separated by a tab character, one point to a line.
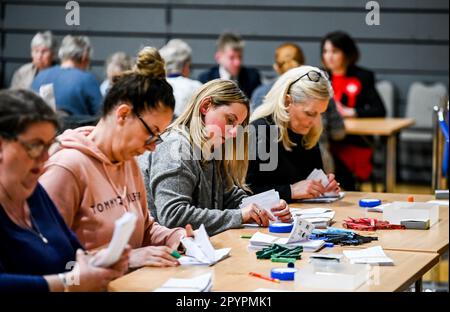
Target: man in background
230	48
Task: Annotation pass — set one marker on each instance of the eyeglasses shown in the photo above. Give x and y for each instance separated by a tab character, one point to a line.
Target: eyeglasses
312	75
34	150
153	138
37	149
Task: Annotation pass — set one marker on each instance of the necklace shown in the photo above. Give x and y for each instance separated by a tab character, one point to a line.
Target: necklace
37	231
33	222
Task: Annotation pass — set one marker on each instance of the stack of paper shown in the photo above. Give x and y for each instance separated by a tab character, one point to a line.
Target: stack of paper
266	200
379	208
202	283
372	255
298	237
199	249
321	218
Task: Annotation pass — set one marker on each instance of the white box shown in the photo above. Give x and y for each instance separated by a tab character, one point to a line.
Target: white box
332	275
403	211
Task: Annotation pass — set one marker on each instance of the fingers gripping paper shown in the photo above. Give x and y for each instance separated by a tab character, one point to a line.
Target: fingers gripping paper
199	249
124	227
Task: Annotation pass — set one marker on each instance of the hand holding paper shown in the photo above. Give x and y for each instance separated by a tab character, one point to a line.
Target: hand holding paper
265	200
319	175
199	249
124	227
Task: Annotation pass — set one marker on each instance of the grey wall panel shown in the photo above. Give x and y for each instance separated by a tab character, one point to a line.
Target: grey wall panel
309	24
388	4
91	18
385	4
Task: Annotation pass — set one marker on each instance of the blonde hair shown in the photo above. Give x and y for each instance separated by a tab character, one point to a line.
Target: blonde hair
221	92
145	86
301	91
150	63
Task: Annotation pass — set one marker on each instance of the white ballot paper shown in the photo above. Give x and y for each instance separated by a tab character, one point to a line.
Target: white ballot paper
373	255
199	249
201	283
319	175
298	237
124	227
265	200
47	93
319	217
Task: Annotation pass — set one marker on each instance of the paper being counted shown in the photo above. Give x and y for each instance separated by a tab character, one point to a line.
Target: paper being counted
124	227
199	249
266	200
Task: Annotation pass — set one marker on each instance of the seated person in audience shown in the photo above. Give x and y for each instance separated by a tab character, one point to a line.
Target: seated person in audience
192	178
76	90
293	106
230	49
43	47
37	249
116	64
287	55
97	165
355	96
177	55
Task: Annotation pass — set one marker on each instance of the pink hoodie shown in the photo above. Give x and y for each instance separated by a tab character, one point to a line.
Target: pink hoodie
91	193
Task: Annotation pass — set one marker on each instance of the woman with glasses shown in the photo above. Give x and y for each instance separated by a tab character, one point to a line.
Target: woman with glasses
94	178
287	128
38	252
355	95
196	176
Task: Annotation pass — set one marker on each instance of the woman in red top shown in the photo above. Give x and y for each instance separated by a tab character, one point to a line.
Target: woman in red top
355	96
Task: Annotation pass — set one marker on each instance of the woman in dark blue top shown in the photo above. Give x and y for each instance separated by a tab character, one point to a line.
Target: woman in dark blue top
38	252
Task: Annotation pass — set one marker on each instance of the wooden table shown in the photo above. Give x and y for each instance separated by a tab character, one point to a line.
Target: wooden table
414	253
434	240
384	127
231	274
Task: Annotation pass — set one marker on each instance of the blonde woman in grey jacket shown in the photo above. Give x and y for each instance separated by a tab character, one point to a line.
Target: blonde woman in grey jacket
193	178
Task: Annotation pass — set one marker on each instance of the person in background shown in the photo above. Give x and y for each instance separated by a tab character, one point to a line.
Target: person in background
193	178
287	55
177	54
76	91
38	252
43	46
355	96
99	172
293	108
116	64
230	49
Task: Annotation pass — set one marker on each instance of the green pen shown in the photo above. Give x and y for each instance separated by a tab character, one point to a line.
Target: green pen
246	236
175	254
284	260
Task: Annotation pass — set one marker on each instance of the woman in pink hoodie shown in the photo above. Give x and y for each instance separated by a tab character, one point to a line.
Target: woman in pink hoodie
93	177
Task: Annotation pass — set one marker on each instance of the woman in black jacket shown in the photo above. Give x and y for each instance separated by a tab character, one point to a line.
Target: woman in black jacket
355	96
286	129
